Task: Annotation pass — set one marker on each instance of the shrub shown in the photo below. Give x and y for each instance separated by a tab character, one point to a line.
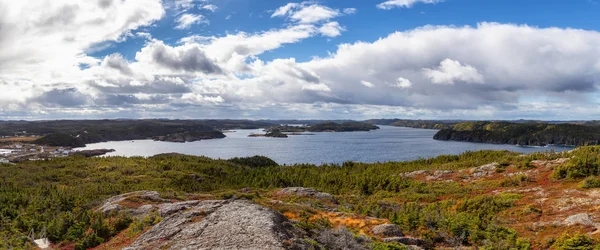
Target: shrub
574	242
590	182
585	163
254	161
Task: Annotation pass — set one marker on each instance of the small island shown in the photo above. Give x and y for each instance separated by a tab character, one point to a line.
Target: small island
283	131
273	133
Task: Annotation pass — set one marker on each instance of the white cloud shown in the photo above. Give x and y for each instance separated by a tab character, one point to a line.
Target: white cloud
367	84
44	42
285	10
185	21
402	83
306	12
404	3
314	13
210	7
528	70
243	44
349	11
331	29
451	71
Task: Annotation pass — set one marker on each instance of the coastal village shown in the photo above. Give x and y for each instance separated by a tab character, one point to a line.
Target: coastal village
20	148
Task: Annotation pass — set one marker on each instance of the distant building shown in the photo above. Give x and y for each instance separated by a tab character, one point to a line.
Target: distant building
4	160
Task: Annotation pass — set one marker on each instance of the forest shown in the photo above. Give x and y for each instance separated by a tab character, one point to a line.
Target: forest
77	133
325	127
527	134
61	194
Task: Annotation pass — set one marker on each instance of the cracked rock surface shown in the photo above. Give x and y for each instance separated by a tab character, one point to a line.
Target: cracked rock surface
220	225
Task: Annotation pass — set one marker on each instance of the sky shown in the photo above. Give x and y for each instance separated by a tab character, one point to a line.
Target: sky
275	59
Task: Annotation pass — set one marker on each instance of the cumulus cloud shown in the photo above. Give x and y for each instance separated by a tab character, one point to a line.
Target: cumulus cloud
451	71
117	62
331	29
402	83
185	21
516	63
427	72
390	4
187	58
306	12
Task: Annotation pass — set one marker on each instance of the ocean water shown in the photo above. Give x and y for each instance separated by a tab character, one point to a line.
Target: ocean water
386	144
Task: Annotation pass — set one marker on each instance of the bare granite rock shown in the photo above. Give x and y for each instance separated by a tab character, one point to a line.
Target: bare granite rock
481	171
387	230
581	219
167	209
221	225
339	238
438	175
112	204
306	192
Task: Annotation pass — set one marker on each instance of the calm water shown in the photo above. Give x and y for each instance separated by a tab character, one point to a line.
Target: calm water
387	144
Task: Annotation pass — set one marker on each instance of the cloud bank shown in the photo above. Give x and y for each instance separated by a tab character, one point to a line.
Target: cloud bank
491	70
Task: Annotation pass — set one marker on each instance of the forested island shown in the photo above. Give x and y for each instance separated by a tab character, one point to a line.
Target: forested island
526	134
486	199
424	124
326	127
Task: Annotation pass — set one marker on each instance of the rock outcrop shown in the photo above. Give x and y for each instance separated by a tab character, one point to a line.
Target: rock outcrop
581	219
387	230
113	204
306	192
222	225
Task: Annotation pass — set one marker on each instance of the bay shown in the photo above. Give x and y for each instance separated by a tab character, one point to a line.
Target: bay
386	144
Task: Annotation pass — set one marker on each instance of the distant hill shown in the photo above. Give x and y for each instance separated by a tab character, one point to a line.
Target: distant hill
77	133
530	134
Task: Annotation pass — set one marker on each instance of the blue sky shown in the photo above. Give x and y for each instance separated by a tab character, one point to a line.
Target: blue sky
369	23
255	59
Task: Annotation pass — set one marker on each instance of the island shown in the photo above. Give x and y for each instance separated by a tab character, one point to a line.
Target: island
274	133
326	127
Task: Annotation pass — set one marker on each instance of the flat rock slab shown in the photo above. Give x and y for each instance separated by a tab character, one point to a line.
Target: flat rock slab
306	192
219	225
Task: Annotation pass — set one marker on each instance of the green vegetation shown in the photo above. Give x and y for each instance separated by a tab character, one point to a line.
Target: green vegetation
327	127
590	182
531	134
575	242
424	124
76	133
61	193
585	163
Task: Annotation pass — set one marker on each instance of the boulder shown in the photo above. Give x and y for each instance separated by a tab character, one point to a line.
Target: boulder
387	230
581	219
306	192
221	225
